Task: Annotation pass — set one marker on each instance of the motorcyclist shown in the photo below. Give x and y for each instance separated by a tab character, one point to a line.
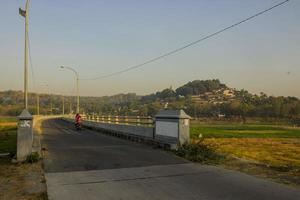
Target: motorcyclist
78	120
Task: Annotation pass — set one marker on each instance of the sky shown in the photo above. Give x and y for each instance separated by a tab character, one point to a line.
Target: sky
99	37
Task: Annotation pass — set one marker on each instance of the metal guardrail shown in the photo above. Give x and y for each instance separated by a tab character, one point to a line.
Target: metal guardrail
126	120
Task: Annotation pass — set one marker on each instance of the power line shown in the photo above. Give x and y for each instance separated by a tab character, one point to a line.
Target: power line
190	44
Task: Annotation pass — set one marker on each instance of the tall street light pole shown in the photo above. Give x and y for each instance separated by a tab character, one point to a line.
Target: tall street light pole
25	14
77	84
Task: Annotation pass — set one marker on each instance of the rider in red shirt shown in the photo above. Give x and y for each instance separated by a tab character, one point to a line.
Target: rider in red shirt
77	119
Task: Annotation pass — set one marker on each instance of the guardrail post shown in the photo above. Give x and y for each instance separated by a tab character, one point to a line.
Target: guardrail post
138	120
108	119
117	120
172	127
150	121
126	120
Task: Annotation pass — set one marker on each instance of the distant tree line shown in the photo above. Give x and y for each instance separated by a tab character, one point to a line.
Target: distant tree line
243	105
249	105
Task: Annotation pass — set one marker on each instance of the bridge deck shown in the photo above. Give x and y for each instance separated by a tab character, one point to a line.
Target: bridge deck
90	165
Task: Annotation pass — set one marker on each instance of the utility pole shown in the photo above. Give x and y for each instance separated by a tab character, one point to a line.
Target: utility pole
77	84
25	13
51	105
70	107
63	105
38	104
25	120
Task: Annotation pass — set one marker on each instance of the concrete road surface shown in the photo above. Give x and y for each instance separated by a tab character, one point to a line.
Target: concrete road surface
89	165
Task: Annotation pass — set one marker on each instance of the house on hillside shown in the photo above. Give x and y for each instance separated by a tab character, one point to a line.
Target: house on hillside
229	93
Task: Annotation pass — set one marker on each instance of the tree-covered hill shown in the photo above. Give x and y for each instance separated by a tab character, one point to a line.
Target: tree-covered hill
199	87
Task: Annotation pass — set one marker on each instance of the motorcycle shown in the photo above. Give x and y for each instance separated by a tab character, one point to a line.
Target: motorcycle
78	126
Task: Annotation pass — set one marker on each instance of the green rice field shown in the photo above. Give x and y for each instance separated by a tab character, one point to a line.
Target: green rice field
244	131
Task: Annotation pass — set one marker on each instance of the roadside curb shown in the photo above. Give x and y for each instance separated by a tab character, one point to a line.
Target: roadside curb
36	144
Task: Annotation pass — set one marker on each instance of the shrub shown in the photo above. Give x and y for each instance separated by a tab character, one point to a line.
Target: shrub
33	158
199	152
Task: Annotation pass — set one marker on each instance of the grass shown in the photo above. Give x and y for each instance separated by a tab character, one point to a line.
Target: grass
283	154
8	138
16	179
33	158
244	131
266	150
7	119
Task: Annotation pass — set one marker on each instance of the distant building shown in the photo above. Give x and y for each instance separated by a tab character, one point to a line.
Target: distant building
229	93
215	97
166	105
221	115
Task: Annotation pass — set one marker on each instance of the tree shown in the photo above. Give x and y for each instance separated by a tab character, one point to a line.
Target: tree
167	93
184	91
197	87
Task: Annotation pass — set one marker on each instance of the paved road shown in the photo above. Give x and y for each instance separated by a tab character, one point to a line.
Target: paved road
90	165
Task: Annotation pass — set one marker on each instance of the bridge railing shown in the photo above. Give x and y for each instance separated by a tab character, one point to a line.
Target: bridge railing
127	120
168	128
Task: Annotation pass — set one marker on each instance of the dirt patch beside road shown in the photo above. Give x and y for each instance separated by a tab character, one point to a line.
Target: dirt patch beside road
22	181
18	181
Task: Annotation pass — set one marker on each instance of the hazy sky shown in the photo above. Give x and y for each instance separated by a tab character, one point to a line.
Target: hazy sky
98	37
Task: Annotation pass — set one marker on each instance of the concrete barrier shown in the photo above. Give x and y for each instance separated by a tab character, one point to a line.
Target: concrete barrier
28	135
170	130
24	135
129	130
141	131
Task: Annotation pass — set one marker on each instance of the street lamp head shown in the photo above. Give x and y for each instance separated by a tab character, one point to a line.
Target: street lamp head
62	67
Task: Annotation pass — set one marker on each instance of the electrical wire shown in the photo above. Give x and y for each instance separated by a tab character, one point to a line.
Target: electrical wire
189	44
